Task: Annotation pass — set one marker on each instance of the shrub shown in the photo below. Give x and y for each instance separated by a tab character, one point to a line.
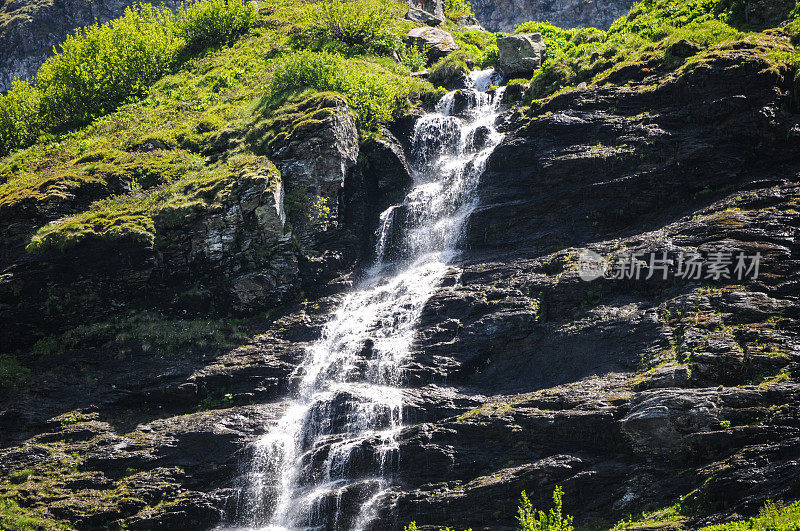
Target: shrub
531	519
373	92
19	116
99	67
215	22
449	69
455	9
360	25
412	58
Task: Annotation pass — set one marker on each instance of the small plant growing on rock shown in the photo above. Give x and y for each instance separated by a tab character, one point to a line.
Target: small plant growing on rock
531	519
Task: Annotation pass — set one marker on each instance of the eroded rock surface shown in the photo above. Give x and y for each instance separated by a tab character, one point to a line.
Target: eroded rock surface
632	394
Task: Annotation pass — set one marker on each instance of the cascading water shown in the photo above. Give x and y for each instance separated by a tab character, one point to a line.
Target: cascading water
329	461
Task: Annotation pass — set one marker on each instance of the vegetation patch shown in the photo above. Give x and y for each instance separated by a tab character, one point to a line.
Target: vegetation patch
662	33
149	332
99	67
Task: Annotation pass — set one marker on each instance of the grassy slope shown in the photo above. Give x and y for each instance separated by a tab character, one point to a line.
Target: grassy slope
648	34
187	113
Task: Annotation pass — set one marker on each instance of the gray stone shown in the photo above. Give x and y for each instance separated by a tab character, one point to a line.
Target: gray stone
421	16
436	43
520	55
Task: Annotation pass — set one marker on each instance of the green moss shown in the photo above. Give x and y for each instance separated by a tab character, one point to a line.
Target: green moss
15	518
449	69
13	375
646	34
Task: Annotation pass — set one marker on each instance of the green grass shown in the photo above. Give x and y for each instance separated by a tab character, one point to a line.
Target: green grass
645	34
15	518
374	90
772	517
98	68
670	517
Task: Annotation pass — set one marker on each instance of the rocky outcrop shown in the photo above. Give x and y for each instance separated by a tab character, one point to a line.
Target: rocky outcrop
520	55
503	15
631	393
380	179
435	42
314	143
29	30
420	16
526	376
226	252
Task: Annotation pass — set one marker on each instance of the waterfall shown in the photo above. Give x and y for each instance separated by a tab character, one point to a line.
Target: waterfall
329	461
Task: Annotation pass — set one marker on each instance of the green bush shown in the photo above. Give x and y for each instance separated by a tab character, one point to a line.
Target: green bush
455	9
19	116
99	67
449	69
412	58
373	92
531	519
354	26
215	22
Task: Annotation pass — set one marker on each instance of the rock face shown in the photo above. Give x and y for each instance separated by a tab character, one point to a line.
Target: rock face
316	148
526	377
631	394
435	42
29	29
503	15
421	16
521	54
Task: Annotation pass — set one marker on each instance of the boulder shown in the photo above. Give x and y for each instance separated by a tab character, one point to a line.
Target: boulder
433	7
520	55
436	43
420	16
470	22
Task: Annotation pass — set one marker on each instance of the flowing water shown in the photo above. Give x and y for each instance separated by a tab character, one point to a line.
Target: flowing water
329	461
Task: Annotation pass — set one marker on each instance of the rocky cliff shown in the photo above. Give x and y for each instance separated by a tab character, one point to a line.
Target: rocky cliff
29	29
503	15
147	360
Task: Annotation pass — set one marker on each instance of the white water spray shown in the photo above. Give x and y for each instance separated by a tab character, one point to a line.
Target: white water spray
329	461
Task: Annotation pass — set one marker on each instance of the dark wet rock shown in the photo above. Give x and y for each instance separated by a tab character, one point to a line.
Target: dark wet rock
683	48
380	179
